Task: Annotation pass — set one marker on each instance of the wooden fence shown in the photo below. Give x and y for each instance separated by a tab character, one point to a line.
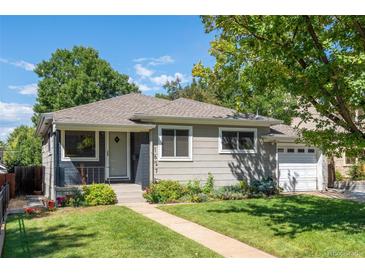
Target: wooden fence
28	180
4	202
8	178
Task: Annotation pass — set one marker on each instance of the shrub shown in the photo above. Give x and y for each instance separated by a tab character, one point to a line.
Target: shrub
244	186
225	193
99	194
164	191
338	176
356	172
193	187
209	185
266	187
199	198
194	198
76	199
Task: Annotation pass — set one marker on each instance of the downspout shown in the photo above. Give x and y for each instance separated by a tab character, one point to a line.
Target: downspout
151	179
55	158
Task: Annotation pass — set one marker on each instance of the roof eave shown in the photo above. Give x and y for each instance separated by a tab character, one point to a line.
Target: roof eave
42	124
208	121
106	127
279	138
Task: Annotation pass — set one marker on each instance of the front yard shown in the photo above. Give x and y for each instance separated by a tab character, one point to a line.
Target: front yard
105	231
286	226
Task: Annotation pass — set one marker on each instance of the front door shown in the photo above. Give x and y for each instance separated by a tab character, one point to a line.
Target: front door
118	154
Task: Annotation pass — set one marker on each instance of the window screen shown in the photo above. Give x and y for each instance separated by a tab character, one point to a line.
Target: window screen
182	142
238	140
175	143
168	136
79	144
229	140
246	140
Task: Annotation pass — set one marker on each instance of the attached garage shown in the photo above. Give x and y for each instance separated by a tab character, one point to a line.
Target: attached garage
297	168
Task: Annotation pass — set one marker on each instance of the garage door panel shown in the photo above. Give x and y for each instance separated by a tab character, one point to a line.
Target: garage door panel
295	186
297	171
292	158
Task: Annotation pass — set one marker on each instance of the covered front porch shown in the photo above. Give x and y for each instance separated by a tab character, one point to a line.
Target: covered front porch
97	155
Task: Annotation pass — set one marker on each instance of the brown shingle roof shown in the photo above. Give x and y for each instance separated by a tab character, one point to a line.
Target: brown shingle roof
124	110
283	130
188	108
114	111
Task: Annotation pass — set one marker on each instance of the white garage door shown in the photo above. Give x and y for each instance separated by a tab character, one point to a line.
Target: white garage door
297	168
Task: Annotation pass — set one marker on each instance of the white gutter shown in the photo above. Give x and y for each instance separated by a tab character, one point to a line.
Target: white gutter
279	139
101	127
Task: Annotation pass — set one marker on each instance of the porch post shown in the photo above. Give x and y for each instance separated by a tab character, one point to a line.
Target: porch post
151	156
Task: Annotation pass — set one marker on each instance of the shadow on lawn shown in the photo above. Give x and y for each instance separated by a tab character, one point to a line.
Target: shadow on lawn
23	242
291	215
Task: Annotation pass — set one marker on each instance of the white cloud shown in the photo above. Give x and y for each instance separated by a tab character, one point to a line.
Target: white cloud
163	78
15	112
21	64
143	87
24	65
142	71
162	60
30	89
4	132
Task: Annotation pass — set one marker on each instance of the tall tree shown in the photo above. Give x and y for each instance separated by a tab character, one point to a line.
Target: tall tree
75	77
196	90
317	60
23	148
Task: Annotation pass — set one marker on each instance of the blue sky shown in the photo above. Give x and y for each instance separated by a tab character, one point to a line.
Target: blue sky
150	49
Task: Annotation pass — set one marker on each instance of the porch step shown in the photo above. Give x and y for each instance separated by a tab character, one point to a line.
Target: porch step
128	193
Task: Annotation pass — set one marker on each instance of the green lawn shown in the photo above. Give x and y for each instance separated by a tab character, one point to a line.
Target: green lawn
112	231
286	226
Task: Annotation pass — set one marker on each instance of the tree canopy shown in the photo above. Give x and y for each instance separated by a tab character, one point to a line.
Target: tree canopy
75	77
196	90
296	62
23	148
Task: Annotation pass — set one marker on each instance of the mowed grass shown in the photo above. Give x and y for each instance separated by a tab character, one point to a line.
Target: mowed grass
286	226
95	232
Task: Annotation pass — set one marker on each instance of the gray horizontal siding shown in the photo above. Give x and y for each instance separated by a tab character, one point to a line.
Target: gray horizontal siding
226	168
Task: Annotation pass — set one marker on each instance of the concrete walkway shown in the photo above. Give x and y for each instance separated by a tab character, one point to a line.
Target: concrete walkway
221	244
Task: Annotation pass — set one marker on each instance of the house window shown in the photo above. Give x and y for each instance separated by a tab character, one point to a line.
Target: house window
301	150
80	145
290	150
311	150
175	143
237	140
280	150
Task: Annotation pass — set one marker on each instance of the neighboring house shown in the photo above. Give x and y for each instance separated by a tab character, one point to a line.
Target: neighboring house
3	169
140	139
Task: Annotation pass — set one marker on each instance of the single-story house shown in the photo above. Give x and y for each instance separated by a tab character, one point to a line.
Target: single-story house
140	139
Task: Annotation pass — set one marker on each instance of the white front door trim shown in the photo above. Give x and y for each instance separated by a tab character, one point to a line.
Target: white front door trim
107	157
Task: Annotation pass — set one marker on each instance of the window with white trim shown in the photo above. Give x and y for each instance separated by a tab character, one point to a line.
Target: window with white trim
237	140
80	145
175	143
